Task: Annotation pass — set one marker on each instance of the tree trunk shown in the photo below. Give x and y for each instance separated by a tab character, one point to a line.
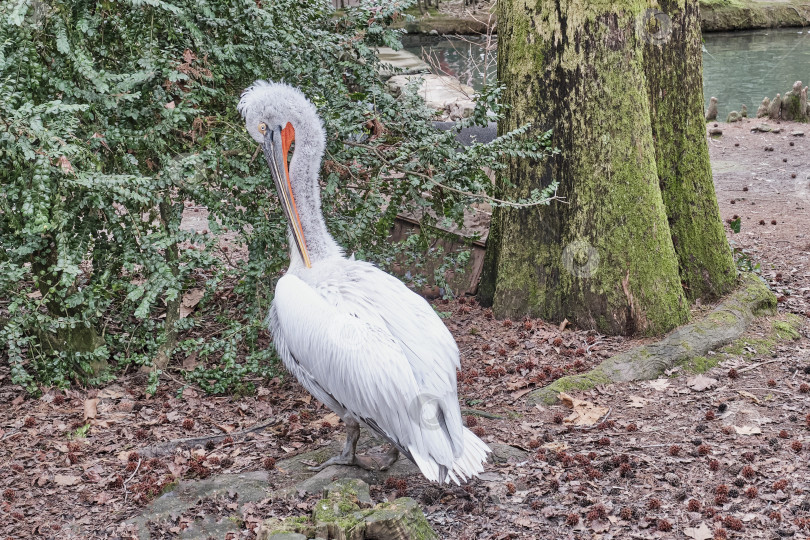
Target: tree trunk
604	259
674	70
172	255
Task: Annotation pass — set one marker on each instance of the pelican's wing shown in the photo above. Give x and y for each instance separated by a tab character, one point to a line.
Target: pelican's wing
343	349
431	351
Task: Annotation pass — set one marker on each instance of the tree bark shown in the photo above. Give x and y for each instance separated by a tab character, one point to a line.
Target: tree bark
604	259
673	67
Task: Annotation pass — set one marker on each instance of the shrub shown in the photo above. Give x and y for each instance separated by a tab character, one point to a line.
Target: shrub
116	114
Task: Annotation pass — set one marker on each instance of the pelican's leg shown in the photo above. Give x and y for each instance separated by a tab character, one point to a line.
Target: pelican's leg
390	458
347	456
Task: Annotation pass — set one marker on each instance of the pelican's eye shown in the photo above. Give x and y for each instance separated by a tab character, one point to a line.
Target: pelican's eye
262	128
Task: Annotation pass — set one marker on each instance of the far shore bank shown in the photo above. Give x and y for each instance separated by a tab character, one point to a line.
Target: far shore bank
715	16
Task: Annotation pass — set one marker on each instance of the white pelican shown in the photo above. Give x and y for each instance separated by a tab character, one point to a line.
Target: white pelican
355	337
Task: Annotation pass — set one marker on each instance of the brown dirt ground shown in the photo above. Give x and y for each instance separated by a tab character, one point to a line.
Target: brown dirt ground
632	476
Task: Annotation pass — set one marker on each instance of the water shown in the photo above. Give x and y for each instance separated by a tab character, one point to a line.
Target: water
738	67
744	67
470	59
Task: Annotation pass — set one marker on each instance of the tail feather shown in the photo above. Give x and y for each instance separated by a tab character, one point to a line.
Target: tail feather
465	467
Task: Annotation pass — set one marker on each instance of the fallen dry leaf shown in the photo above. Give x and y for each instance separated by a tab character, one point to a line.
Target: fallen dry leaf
64	164
749	395
699	383
659	384
112	392
556	446
520	393
332	418
637	402
90	408
190	361
585	413
699	533
600	525
176	469
517	382
190	300
66	480
747	430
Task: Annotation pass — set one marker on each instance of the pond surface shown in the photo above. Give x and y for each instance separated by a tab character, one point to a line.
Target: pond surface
738	67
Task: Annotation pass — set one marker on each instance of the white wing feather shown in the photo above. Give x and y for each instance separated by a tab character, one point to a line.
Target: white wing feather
364	344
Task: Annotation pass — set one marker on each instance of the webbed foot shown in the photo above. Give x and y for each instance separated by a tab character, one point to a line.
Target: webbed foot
354	461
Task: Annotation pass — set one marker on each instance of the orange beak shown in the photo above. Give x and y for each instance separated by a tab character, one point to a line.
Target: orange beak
277	144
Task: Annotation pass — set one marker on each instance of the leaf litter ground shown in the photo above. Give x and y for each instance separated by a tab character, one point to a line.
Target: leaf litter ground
723	454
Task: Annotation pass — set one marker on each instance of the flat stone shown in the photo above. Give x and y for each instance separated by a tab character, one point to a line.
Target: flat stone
294	476
715	132
762	128
249	487
440	92
503	453
286	536
209	527
356	486
402	62
339	515
797	133
301	480
401	519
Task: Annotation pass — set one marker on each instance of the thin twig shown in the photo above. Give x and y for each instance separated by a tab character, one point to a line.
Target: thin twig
749	368
10	434
126	491
169	446
449	188
483	414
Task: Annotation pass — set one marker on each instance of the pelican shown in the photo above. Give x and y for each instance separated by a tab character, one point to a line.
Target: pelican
355	337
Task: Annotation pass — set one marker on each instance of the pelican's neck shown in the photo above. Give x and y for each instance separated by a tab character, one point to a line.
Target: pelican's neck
304	169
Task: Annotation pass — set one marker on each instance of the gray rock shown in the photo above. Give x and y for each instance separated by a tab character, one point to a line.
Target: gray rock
504	453
251	487
339	515
775	109
733	116
797	133
400	63
301	480
711	113
439	92
401	519
762	111
715	132
286	536
470	135
358	487
762	128
792	107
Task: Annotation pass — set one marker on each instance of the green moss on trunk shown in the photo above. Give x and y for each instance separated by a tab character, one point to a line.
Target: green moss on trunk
605	258
674	74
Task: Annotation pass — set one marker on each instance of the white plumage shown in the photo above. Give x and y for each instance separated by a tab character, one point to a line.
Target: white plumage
355	337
